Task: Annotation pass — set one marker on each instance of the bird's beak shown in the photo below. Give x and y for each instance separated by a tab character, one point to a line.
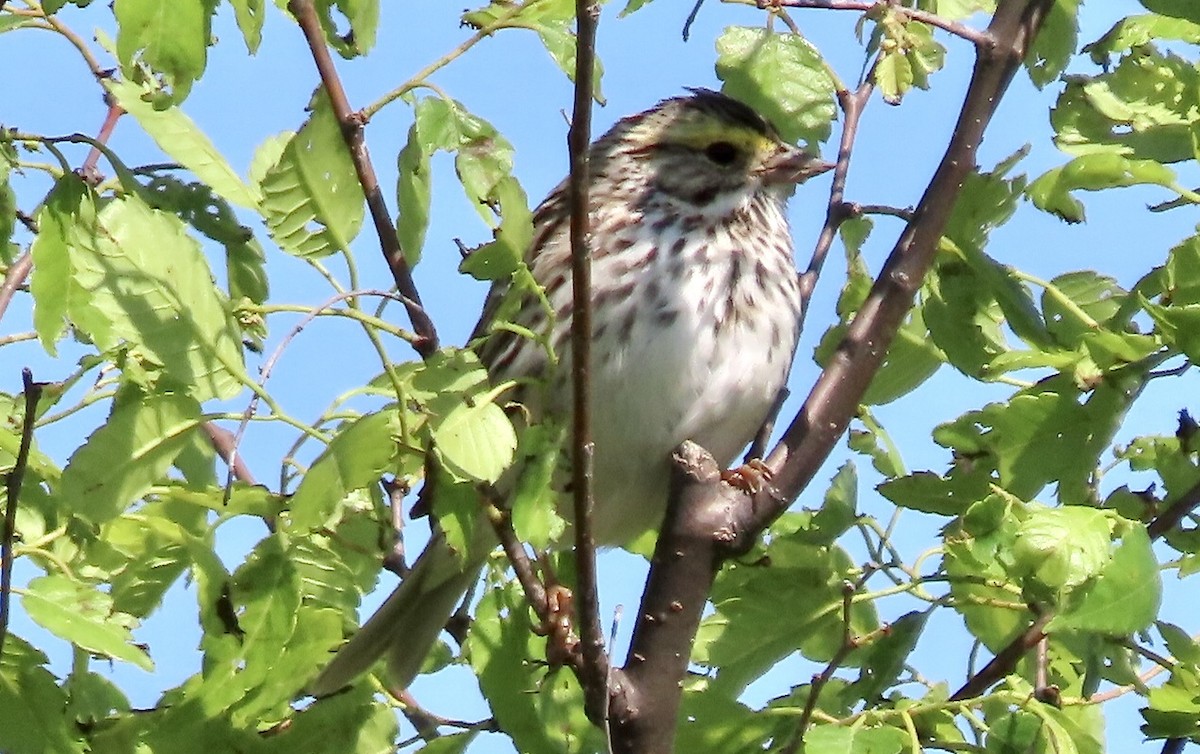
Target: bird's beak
792	165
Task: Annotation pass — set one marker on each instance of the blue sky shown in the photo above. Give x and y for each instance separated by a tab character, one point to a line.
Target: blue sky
512	83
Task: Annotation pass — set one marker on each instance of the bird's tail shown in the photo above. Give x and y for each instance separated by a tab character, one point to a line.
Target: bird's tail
406	626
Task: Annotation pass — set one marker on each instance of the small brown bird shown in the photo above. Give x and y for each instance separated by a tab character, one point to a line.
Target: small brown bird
695	322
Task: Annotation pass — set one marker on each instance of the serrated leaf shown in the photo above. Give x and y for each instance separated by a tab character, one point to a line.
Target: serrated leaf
66	220
475	442
122	459
543	712
780	75
170	37
181	139
353	721
1126	594
83	616
356	458
1054	44
311	197
144	283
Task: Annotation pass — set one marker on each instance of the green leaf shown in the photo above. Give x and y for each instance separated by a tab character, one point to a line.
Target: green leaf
1174	8
93	698
31	704
142	283
171	37
83	616
551	20
352	721
483	158
1093	172
311	197
1178	326
357	457
837	514
540	710
132	451
1054	44
833	739
780	75
534	505
912	358
362	18
413	196
1062	548
250	17
883	660
1126	594
181	139
147	551
67	220
475	442
908	53
748	633
1143	108
928	492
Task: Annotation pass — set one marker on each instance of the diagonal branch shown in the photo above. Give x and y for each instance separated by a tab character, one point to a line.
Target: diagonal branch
708	521
834	398
352	132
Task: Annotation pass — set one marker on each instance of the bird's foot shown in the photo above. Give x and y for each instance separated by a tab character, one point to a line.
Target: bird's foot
561	640
751	477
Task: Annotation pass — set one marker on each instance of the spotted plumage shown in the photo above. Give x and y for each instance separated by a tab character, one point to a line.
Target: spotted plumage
695	321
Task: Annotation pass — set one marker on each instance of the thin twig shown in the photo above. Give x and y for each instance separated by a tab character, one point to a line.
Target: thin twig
1005	660
595	661
978	38
88	169
222	441
14	279
352	132
1170	518
849	644
535	590
269	365
851	104
13	481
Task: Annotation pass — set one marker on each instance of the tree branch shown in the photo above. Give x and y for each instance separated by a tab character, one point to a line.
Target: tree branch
835	397
706	521
852	105
595	661
875	7
699	532
352	132
13	481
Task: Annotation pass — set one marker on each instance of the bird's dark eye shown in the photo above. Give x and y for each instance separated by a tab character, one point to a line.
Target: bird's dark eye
721	152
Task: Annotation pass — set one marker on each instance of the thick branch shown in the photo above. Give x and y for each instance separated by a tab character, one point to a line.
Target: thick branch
837	392
700	530
707	521
352	131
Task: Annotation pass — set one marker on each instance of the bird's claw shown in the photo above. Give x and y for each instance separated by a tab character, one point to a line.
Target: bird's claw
751	477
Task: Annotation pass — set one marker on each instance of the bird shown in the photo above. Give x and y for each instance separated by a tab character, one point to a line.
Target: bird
695	322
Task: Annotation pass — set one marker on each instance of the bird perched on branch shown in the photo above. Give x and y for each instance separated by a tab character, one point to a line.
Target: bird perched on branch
696	307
